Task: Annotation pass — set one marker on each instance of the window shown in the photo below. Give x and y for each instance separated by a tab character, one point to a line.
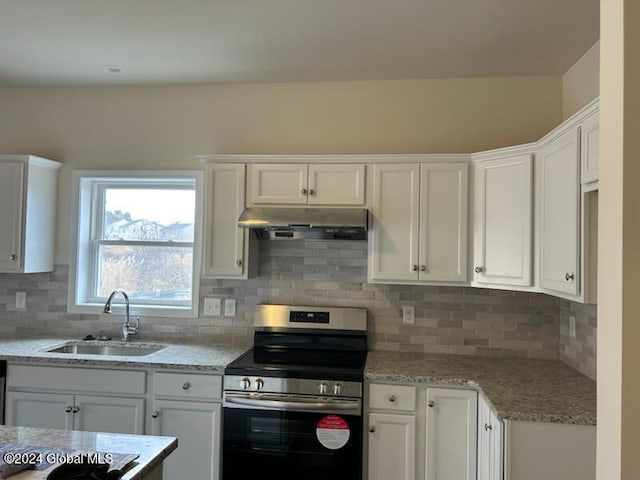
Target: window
138	232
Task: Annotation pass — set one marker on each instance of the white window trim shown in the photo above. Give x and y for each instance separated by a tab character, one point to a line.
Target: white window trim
79	239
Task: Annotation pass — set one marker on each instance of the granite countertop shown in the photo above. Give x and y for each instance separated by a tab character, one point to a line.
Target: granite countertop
210	358
518	389
152	449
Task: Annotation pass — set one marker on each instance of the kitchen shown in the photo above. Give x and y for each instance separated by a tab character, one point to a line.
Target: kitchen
168	127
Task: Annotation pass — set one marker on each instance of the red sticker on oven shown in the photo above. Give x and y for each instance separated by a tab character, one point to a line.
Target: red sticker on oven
333	432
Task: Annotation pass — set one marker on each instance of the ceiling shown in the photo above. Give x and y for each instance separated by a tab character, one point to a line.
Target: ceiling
70	42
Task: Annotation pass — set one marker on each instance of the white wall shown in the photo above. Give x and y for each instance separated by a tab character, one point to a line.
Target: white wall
581	83
164	127
618	442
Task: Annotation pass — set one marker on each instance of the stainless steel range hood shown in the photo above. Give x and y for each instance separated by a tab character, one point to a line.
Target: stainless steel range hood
308	223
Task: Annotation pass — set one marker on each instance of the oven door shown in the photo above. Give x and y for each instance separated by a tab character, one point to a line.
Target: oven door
286	438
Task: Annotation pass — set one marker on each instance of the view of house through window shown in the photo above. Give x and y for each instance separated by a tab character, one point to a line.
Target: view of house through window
137	232
145	242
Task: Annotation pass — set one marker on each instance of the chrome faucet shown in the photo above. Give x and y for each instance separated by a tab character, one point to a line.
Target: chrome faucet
127	329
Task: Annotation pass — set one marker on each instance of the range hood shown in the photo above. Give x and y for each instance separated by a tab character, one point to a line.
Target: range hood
274	223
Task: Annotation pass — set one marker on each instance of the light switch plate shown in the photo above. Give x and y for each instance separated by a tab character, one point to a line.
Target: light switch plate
408	314
212	307
229	307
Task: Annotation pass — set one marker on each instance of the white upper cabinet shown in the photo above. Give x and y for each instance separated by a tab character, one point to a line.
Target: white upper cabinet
304	184
393	239
28	190
284	184
443	222
503	221
336	184
419	222
225	245
558	162
590	149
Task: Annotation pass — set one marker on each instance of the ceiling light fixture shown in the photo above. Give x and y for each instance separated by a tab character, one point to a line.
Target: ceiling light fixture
113	69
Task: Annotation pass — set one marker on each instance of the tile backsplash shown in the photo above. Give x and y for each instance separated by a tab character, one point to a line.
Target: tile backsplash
461	320
579	351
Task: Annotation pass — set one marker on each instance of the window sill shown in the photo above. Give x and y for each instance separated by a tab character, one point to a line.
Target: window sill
136	310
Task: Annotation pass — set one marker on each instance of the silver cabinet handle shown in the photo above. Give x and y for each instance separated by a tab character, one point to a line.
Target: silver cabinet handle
487	427
304	191
372	429
238	263
13	257
431	404
569	277
392	398
312	191
76	409
154	414
414	268
186	386
423	268
68	410
478	269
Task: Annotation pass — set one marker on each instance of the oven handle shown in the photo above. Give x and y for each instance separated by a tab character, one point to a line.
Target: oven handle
294	405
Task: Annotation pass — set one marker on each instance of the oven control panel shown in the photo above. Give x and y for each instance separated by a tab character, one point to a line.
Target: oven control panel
329	388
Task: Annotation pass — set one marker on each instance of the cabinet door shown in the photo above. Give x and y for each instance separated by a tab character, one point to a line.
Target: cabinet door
451	434
278	184
336	184
560	206
42	410
392	446
108	414
504	215
443	222
393	240
490	443
590	149
197	427
224	247
11	215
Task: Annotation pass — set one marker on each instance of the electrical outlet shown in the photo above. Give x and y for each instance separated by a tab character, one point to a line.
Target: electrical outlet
212	307
572	326
408	314
21	300
229	307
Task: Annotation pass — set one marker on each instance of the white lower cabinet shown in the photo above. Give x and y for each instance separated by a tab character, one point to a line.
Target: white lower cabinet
95	400
197	427
451	434
75	412
43	410
188	406
421	429
392	446
490	443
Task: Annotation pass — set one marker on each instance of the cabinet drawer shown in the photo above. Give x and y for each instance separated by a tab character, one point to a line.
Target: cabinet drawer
188	385
392	397
75	379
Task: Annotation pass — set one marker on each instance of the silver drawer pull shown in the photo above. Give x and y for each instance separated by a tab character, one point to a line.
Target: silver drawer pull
431	404
186	386
154	414
392	398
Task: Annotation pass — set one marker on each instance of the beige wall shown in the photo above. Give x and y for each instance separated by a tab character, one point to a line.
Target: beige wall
619	240
166	127
581	83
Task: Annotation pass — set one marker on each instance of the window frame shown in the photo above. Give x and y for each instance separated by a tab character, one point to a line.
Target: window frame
87	216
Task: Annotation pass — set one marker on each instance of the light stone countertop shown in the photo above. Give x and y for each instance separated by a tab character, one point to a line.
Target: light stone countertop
152	449
518	389
183	356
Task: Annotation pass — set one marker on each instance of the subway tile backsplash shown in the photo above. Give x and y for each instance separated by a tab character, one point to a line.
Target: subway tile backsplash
460	320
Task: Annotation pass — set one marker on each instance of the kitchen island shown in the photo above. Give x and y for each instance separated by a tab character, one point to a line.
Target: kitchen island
151	450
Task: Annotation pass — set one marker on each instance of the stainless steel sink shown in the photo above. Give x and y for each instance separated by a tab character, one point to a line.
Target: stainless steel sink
120	350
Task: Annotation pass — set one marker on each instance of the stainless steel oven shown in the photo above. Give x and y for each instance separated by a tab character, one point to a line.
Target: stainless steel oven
292	405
